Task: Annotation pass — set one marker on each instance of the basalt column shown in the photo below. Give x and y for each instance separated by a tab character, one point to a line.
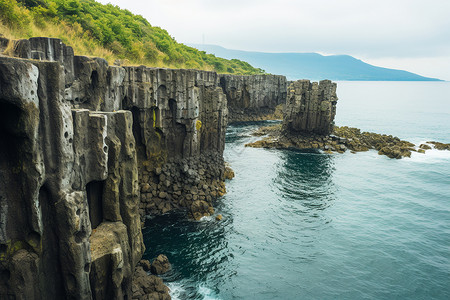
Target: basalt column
254	98
69	195
310	107
179	118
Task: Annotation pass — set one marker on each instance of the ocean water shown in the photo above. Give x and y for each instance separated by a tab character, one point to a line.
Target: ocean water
307	225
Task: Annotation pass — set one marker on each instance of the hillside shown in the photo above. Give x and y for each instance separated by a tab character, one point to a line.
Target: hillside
315	66
94	29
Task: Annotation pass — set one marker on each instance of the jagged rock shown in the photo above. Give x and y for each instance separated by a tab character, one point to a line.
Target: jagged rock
145	264
109	250
254	98
160	265
229	173
343	138
425	146
148	287
199	209
440	146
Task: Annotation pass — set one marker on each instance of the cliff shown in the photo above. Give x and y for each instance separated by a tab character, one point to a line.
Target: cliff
70	177
310	107
87	150
73	162
253	98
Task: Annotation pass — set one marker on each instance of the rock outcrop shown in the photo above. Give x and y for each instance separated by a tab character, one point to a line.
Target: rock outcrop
343	139
308	123
310	107
79	140
160	265
180	118
70	184
148	287
254	98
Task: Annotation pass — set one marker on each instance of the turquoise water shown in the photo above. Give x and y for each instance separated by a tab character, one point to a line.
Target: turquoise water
301	225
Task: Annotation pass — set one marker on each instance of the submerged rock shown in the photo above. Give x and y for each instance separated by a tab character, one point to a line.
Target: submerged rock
200	209
440	146
425	146
343	138
229	173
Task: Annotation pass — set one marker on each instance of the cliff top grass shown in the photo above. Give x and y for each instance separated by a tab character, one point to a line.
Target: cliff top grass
107	31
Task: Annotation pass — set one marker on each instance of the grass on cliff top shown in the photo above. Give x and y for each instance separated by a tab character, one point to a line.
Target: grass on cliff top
94	29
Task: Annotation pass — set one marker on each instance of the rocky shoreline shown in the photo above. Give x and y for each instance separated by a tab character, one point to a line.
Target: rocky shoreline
308	123
342	139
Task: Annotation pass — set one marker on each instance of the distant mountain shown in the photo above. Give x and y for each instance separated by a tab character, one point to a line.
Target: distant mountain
314	66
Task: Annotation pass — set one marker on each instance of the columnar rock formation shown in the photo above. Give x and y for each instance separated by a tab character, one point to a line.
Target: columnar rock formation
253	98
87	149
180	118
69	193
310	107
72	164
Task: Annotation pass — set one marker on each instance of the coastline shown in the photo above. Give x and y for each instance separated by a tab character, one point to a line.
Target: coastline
99	147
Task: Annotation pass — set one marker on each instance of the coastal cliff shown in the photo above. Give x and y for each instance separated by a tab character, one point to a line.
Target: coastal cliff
87	150
70	225
78	141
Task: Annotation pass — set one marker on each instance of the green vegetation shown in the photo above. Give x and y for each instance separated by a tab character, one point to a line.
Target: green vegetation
94	29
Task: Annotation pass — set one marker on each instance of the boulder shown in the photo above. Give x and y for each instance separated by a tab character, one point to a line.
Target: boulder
229	173
145	264
160	265
148	287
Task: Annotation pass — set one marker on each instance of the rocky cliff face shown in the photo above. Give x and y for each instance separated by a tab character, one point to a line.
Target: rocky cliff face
180	118
86	150
310	107
67	173
253	98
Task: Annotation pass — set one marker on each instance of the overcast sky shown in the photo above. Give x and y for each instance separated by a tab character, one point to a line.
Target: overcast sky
413	35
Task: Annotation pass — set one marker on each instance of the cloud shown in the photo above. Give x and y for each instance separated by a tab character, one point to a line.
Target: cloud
372	29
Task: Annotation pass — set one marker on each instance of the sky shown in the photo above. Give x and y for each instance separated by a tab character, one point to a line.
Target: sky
412	35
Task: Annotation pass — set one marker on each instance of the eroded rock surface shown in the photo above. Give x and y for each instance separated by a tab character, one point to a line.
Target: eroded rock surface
180	118
160	265
310	107
78	140
148	287
254	98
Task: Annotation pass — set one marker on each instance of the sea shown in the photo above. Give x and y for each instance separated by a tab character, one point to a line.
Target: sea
309	225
